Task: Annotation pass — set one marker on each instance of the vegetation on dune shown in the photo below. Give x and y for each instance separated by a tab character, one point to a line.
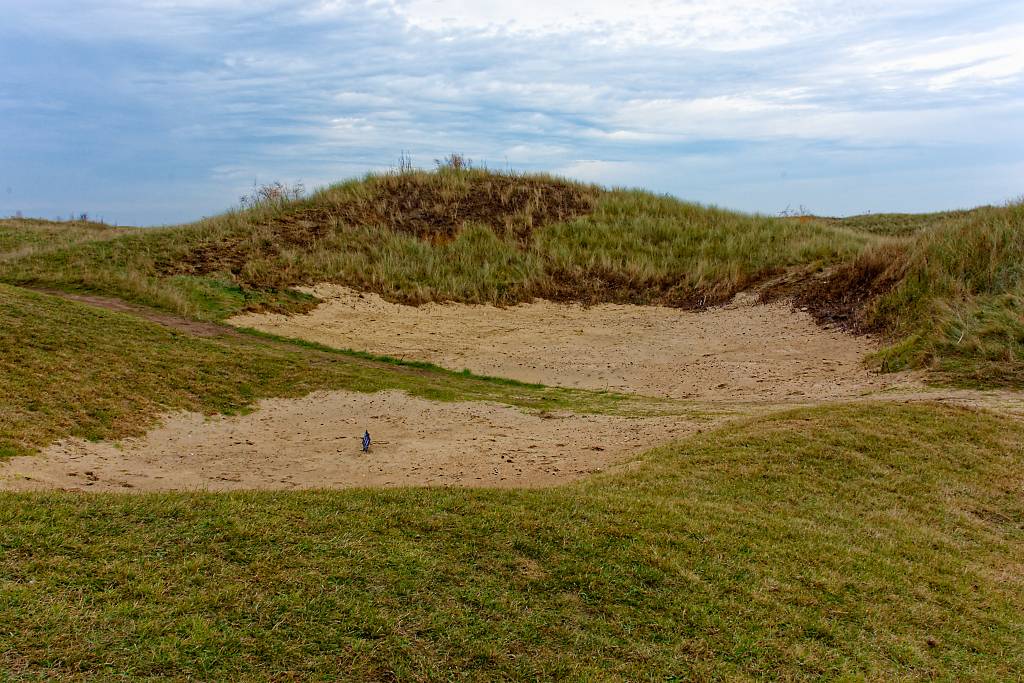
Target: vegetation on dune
897	224
466	235
958	304
854	542
949	298
67	369
21	237
943	289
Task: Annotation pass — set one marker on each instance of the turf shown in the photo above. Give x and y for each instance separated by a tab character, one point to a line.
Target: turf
854	543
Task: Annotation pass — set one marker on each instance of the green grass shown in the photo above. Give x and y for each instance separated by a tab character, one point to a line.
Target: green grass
899	224
21	237
959	304
855	543
67	369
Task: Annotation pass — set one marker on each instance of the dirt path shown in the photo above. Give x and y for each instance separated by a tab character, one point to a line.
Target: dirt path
738	352
177	322
315	442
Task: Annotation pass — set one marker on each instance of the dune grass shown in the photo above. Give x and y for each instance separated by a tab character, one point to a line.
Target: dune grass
67	369
471	236
958	305
855	543
21	237
899	224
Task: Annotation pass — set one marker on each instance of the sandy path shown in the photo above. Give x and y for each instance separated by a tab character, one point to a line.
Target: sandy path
314	442
742	351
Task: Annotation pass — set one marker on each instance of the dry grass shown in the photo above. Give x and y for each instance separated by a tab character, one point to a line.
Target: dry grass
23	237
959	308
471	236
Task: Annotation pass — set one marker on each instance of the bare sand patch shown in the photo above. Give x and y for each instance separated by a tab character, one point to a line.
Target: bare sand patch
738	352
314	442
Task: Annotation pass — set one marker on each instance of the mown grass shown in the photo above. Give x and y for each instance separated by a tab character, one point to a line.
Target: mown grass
863	542
67	369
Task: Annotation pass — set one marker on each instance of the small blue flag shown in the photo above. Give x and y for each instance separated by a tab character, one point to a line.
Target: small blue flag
366	442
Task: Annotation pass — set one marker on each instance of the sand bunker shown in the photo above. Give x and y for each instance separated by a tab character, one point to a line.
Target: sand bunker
738	352
314	442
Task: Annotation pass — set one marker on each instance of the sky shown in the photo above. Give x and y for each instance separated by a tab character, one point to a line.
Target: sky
161	111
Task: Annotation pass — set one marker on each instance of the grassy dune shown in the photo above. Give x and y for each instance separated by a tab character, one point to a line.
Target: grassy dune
942	288
22	237
470	236
959	303
853	543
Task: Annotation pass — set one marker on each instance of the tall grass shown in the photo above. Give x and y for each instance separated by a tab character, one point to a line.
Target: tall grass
646	248
470	236
959	307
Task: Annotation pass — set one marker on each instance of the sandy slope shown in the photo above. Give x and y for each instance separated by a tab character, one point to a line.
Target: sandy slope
738	352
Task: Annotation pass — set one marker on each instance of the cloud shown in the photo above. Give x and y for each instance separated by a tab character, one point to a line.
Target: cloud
196	99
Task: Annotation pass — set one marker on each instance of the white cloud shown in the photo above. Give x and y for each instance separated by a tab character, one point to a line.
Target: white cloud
682	95
942	62
707	24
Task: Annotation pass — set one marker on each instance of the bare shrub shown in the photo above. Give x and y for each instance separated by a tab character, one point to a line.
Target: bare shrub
272	193
454	162
404	162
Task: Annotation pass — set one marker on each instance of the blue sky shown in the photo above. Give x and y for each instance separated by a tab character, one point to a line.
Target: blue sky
157	111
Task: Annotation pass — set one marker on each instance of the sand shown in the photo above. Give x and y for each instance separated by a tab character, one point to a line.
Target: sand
738	352
314	442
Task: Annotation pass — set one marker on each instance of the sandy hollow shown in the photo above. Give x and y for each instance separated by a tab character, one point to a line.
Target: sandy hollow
738	352
752	357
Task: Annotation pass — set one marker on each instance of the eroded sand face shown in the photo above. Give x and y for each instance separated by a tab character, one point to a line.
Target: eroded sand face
314	442
738	352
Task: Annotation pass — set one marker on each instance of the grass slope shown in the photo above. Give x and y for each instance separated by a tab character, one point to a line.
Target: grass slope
67	369
21	237
856	542
958	305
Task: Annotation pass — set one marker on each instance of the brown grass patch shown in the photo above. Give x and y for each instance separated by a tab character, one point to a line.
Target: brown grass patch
842	295
431	206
